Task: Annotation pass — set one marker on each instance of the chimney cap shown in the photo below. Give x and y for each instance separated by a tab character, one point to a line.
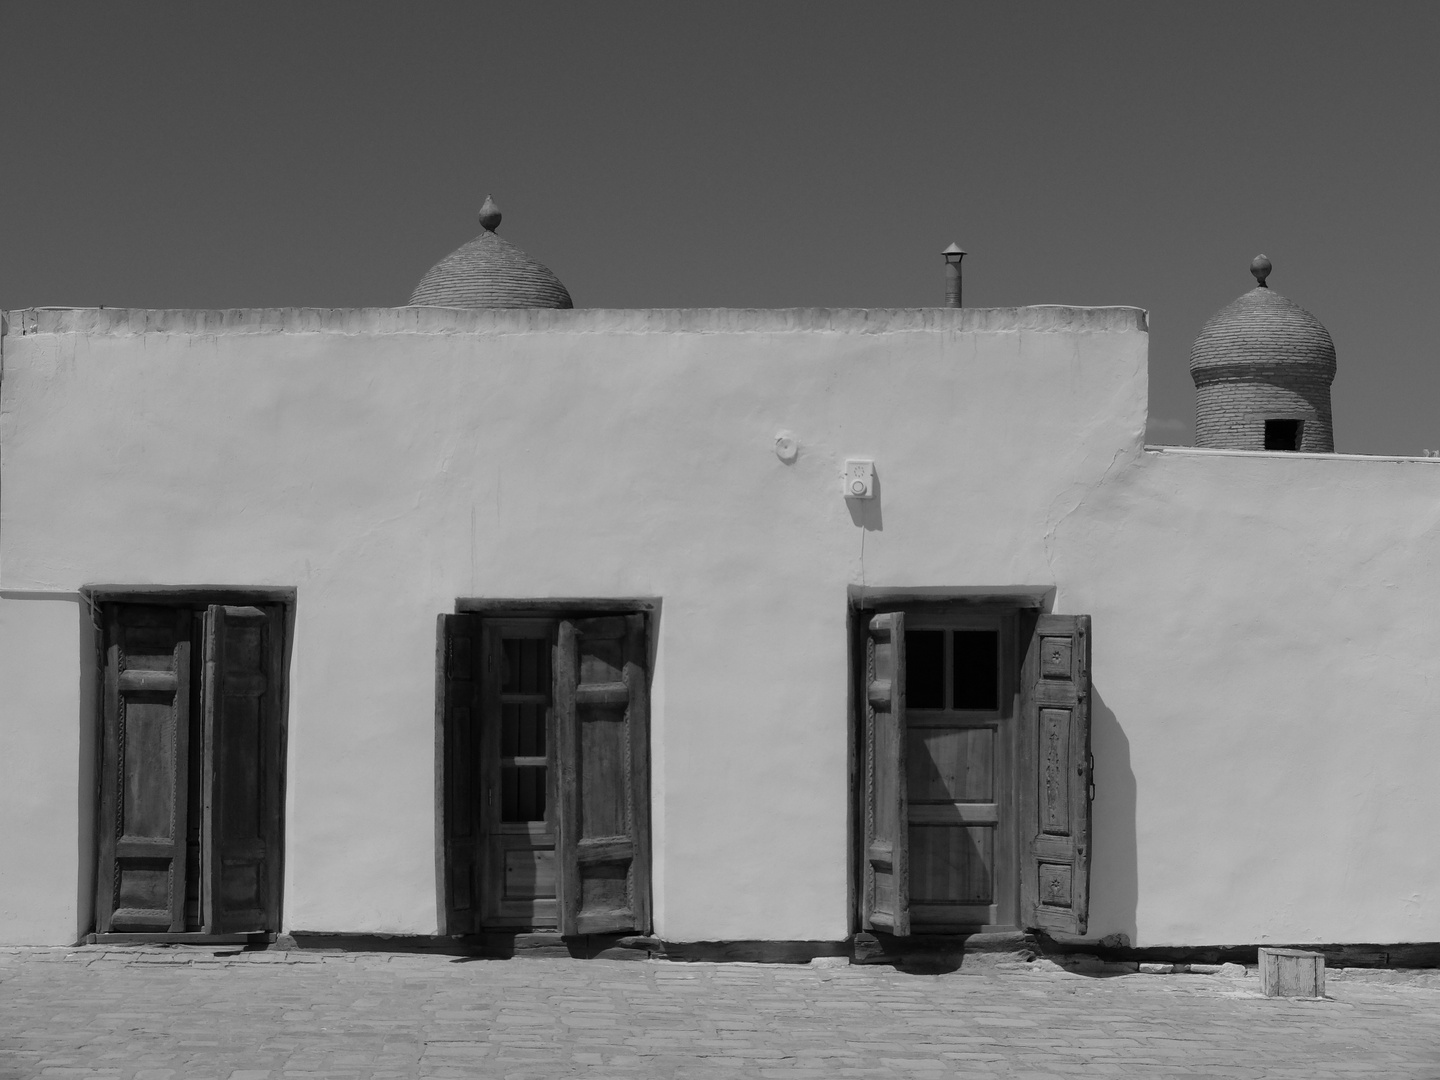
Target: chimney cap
954	253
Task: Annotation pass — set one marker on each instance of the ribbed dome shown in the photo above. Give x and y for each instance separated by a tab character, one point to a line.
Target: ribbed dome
1262	329
489	273
1262	368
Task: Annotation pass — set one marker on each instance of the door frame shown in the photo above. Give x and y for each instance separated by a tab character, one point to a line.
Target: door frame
195	597
1020	603
520	609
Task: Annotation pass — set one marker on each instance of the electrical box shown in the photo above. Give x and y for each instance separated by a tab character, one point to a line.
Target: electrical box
859	479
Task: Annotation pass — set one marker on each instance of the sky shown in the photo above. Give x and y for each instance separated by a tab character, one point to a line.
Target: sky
218	155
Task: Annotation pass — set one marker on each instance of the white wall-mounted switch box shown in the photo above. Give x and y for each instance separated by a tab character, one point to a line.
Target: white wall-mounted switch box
859	479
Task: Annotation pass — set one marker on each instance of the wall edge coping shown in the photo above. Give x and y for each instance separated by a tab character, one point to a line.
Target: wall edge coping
1198	451
23	322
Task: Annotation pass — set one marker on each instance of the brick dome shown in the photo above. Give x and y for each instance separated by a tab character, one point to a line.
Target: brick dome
489	273
1262	367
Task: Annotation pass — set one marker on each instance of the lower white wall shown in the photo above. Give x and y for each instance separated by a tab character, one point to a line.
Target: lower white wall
47	749
1267	696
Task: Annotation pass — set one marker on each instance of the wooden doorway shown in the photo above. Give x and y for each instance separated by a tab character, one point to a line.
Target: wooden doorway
544	756
973	738
191	768
959	775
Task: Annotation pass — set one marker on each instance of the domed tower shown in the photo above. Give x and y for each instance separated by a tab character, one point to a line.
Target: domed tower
489	273
1262	368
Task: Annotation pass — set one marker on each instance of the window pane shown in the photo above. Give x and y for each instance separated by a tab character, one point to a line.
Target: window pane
527	666
977	669
522	730
925	669
522	793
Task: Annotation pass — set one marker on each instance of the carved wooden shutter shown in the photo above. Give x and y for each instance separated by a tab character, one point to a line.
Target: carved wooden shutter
144	770
602	721
1055	780
886	887
243	688
459	730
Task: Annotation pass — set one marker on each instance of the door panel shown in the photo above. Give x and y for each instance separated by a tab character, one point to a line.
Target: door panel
950	864
144	770
1056	775
951	764
458	762
529	874
602	720
885	884
243	683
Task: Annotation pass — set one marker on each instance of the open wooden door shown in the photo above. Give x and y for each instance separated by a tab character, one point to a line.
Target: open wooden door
459	763
602	720
886	888
1055	779
144	770
243	693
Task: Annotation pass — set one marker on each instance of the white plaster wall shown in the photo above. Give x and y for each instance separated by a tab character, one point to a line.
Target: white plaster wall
387	462
1267	696
385	470
46	771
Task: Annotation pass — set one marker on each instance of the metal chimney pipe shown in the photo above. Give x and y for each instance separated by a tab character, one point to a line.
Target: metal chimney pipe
953	255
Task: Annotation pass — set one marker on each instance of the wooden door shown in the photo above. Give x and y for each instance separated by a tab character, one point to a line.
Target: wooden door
144	770
191	769
602	722
243	684
516	788
1056	775
885	894
544	753
458	763
960	720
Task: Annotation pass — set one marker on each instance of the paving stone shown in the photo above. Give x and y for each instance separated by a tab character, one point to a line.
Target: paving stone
143	1014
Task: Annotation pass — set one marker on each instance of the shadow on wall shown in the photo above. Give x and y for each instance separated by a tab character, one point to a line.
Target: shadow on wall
1114	865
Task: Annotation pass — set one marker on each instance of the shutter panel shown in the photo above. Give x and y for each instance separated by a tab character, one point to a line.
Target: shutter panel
602	721
887	811
243	694
1055	781
459	763
144	770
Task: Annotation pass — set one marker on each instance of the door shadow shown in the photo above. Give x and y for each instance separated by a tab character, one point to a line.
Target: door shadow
1114	859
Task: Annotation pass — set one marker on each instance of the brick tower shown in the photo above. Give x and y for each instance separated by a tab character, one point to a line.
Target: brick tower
1262	368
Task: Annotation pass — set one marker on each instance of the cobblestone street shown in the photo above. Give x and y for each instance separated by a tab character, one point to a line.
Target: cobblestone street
172	1014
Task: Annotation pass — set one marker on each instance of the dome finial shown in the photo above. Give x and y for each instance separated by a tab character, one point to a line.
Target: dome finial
1260	267
489	215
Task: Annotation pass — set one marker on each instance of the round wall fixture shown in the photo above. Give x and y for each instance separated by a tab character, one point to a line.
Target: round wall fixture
787	446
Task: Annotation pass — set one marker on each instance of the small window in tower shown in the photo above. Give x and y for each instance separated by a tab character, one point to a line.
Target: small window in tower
1282	434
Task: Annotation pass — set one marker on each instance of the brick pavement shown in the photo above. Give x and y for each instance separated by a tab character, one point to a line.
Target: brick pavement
177	1014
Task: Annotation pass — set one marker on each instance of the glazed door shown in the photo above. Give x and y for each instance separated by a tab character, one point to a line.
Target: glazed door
959	770
517	774
544	752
